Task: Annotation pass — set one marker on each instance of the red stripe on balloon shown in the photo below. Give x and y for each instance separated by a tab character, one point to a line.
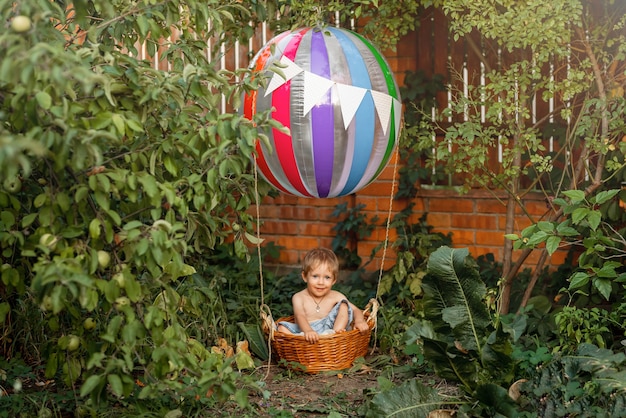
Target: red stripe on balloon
281	101
249	109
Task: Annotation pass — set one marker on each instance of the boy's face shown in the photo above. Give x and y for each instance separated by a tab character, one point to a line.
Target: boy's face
319	280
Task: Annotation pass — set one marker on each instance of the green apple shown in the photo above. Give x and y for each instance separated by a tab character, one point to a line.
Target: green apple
89	324
46	303
21	24
73	343
12	184
121	302
48	240
120	279
104	258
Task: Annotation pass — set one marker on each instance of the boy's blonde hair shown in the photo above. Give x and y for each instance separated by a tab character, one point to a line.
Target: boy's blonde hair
319	256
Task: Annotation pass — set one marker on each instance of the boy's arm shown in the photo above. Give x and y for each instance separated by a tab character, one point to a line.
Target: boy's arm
301	319
359	319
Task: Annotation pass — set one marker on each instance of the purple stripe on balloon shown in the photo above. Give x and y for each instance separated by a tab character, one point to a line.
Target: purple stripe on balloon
365	117
322	120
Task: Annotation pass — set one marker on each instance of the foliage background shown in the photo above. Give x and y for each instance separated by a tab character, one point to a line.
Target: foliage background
125	196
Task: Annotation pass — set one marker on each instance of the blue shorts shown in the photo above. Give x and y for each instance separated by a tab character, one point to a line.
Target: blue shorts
324	325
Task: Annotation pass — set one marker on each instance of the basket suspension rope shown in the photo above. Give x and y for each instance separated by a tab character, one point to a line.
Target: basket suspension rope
258	245
386	241
388	226
258	230
258	249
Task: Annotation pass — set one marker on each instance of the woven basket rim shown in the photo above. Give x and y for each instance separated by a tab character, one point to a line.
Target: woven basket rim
335	351
291	318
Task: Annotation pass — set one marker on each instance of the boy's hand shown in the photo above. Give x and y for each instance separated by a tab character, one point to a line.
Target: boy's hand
362	326
311	336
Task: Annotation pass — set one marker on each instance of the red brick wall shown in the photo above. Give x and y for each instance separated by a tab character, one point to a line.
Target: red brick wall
476	220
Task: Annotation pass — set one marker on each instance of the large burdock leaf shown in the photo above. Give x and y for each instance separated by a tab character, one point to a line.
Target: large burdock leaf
497	356
451	364
409	400
454	298
498	399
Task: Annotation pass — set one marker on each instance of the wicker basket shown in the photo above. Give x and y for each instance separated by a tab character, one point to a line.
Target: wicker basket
331	352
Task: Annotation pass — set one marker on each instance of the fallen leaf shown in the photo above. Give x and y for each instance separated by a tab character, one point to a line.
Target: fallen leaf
459	347
243	346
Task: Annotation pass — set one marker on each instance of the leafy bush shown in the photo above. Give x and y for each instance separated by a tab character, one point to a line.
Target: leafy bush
353	226
598	242
118	180
601	327
589	383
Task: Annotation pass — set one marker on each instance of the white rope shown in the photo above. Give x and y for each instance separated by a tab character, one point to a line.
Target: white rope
258	249
386	241
382	261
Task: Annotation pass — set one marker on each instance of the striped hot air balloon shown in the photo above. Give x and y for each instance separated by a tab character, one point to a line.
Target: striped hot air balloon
340	101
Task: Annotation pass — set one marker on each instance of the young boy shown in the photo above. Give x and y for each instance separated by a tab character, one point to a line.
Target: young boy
319	309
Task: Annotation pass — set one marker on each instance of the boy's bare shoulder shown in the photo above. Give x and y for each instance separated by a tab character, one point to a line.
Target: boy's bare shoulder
297	296
336	296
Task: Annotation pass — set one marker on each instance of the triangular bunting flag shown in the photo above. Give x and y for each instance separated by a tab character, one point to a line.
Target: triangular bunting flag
397	109
290	70
383	103
350	98
315	87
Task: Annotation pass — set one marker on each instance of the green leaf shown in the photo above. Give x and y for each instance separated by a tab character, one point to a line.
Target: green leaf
537	238
410	399
450	364
95	228
174	413
170	165
52	365
116	384
118	121
133	289
605	196
565	230
142	24
579	279
44	100
552	244
253	239
40	200
545	226
453	296
256	339
149	184
243	360
496	356
8	219
29	219
603	286
497	398
90	384
607	271
132	225
575	196
594	218
579	214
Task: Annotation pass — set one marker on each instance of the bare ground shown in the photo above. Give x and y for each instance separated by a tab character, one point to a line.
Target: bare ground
312	395
297	394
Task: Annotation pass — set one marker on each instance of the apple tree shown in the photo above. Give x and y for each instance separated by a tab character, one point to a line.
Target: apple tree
116	179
